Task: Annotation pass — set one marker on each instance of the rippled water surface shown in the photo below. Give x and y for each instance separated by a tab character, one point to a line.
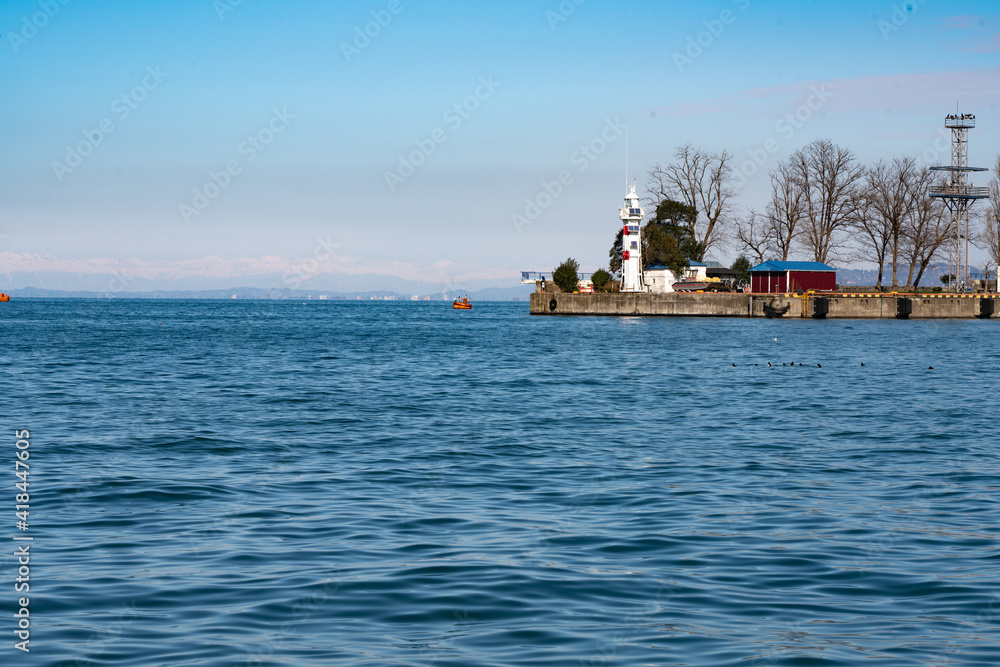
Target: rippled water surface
336	483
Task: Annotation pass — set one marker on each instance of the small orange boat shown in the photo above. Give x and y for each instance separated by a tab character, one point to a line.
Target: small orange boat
462	304
4	297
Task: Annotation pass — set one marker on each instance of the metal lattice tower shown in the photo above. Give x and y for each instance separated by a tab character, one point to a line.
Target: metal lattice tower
959	195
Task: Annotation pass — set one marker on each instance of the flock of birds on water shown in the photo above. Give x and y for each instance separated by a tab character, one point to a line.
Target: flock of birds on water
793	364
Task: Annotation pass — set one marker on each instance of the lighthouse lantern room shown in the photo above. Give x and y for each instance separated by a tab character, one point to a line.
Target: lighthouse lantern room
631	217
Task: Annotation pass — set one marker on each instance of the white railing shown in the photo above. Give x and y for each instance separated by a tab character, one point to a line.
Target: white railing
960	191
532	276
965	121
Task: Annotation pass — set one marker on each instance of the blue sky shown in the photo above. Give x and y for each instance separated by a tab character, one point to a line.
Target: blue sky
200	77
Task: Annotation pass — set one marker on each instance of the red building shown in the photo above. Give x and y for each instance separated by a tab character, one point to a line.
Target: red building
775	277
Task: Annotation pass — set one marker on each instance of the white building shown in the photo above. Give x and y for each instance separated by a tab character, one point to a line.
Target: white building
660	280
697	271
631	216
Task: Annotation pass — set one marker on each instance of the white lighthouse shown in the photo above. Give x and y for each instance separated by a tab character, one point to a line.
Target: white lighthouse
631	217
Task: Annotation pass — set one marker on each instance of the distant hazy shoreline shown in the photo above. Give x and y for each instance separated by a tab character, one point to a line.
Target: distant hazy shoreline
517	293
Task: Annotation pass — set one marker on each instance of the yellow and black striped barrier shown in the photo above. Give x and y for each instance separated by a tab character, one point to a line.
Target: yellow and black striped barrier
876	295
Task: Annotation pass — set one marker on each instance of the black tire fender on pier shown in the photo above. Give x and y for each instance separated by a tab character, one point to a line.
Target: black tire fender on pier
553	305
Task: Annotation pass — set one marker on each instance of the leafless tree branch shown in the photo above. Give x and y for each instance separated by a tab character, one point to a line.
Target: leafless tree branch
703	180
830	178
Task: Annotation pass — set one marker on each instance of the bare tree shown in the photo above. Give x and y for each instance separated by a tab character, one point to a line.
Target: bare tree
890	197
772	234
785	210
753	233
926	229
876	234
703	180
988	238
830	178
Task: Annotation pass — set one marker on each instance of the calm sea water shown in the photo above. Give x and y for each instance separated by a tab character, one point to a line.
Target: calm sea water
333	483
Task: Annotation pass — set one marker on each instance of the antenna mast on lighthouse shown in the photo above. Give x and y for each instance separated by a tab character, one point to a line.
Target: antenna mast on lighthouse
626	159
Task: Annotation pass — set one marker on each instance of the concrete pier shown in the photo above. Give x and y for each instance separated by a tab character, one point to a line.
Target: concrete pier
814	306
